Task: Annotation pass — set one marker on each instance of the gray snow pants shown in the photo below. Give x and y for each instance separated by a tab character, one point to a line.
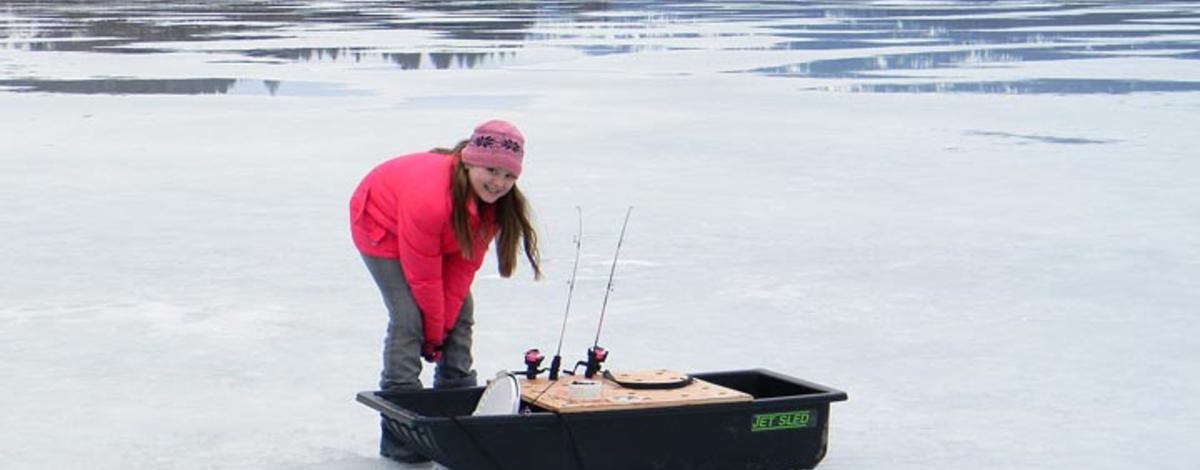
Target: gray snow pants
402	345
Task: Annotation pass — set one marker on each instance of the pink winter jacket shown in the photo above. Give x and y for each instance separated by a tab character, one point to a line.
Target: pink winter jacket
401	210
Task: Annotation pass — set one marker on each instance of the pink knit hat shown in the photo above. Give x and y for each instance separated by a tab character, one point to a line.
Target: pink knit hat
496	144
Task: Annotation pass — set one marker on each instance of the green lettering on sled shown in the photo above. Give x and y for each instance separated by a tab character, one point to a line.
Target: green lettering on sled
799	419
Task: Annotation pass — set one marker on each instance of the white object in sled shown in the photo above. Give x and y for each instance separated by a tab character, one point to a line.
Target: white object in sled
501	397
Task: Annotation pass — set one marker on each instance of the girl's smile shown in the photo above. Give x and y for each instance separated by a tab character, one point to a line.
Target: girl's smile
490	184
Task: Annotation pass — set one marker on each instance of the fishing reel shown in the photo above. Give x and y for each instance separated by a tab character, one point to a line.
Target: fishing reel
596	356
533	359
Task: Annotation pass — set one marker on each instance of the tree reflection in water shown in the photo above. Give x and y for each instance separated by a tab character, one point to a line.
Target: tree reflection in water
463	35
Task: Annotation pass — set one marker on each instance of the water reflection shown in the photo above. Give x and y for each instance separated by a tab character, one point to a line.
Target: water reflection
200	86
1033	86
403	60
873	66
492	34
36	25
989	36
187	86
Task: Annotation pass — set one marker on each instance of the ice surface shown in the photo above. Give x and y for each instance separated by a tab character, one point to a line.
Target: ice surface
998	280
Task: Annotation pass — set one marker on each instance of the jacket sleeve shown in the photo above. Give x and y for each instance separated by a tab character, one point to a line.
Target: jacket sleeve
459	272
421	258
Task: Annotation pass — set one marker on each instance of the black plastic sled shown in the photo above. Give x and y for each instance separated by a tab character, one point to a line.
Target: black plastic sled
784	426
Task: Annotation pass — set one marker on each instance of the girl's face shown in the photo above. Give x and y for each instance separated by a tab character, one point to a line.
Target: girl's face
490	184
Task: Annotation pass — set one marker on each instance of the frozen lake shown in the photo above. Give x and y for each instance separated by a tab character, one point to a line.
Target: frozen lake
977	218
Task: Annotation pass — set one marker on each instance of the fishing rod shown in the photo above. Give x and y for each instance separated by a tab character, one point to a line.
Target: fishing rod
533	357
557	362
596	354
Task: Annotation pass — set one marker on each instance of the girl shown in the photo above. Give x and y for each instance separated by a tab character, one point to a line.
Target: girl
423	223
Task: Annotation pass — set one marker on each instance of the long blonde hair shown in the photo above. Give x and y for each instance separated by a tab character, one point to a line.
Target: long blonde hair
511	214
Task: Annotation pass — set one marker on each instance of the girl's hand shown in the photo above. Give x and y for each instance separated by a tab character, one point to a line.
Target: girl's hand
431	352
